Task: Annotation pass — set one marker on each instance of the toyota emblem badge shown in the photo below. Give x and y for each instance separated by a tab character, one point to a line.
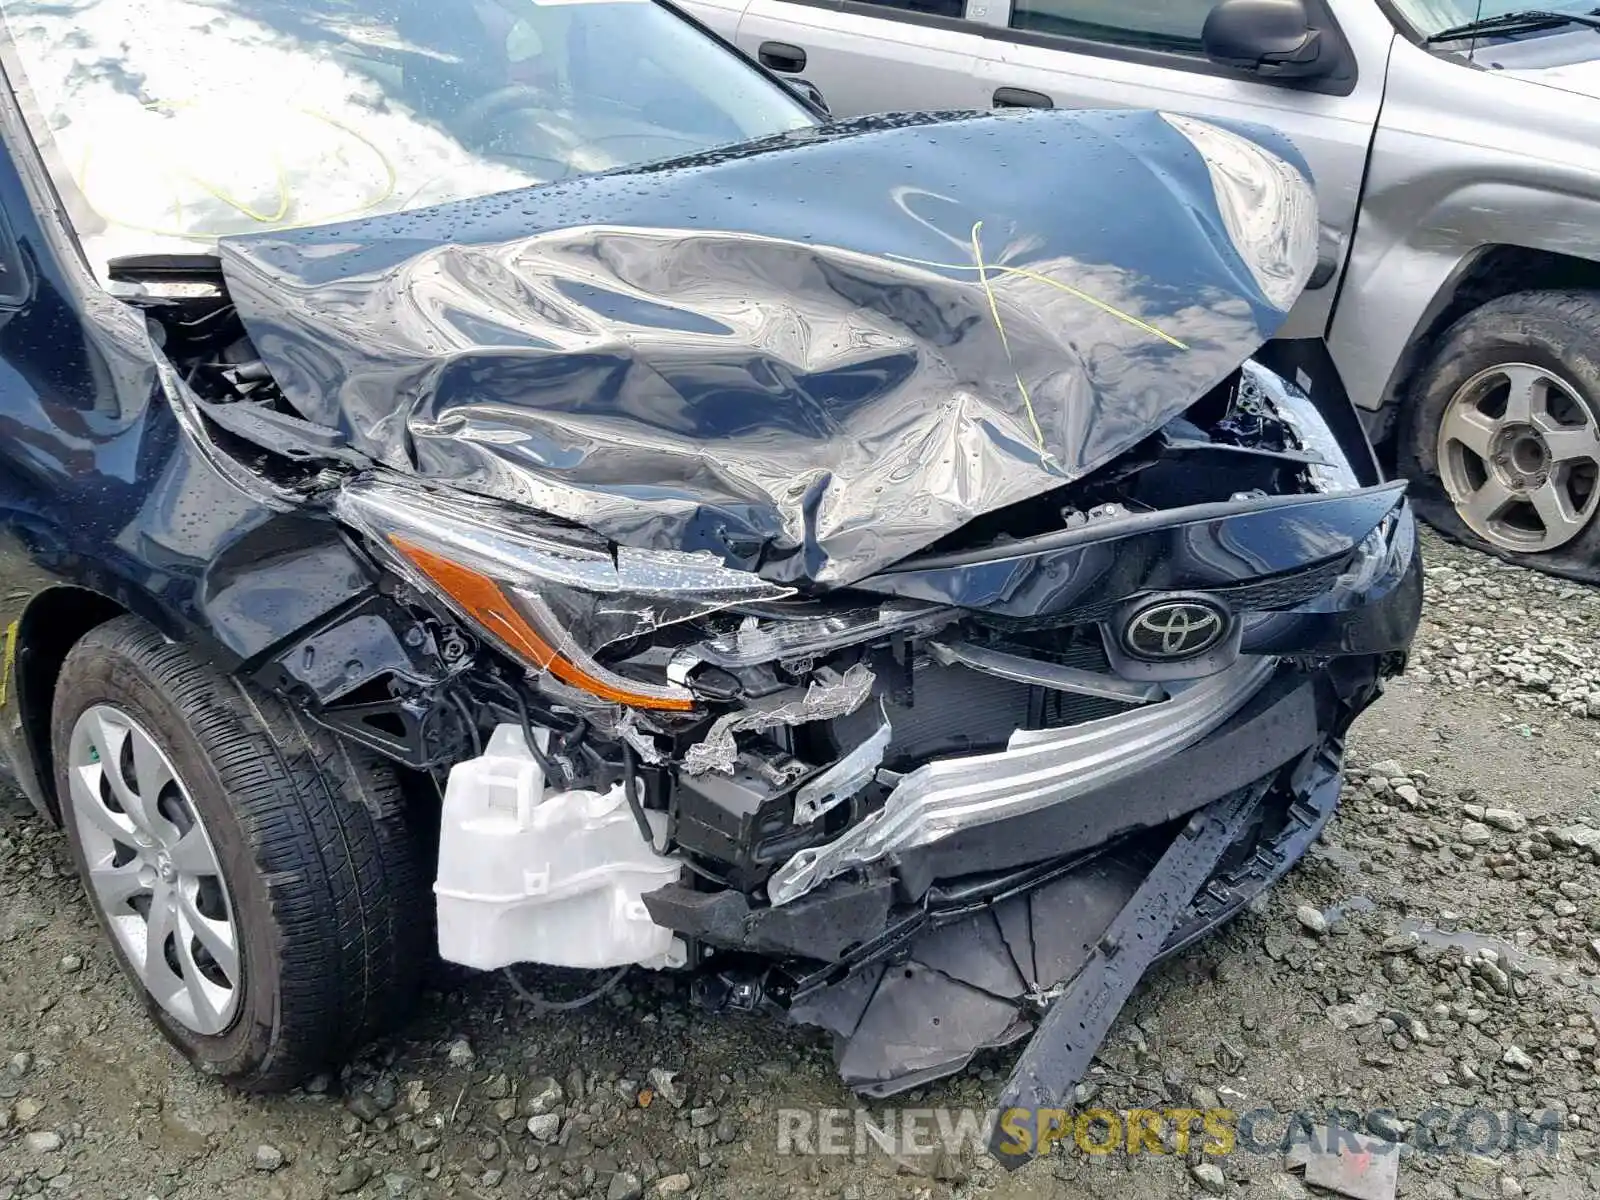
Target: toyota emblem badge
1175	629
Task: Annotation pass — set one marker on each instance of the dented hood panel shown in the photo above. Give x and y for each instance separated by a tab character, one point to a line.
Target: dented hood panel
813	355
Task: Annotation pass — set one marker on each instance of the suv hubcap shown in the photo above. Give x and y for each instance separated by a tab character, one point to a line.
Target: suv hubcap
152	869
1519	454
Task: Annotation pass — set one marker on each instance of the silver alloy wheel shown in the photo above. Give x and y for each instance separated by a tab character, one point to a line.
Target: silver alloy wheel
152	869
1519	454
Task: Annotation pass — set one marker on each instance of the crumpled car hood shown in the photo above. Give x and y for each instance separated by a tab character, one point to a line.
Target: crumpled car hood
813	355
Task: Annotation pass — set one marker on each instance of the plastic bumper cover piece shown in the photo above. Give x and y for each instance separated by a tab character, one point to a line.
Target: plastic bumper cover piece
1074	1026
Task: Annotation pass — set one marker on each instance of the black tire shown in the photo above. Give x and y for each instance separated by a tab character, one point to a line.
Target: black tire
1555	330
328	891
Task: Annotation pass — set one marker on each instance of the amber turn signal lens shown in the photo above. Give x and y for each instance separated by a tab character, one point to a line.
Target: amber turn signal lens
486	602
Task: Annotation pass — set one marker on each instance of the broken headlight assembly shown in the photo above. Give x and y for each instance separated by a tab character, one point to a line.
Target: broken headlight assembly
550	597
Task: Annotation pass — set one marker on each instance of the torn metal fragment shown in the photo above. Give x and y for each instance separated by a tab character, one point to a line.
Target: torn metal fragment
643	744
828	697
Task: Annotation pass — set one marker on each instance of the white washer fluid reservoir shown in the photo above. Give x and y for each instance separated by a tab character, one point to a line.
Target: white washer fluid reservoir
529	876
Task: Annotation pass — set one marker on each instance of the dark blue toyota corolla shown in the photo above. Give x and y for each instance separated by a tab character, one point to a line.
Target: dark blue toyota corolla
518	451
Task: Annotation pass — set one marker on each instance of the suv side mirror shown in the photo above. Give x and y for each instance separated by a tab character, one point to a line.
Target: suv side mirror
808	91
1272	38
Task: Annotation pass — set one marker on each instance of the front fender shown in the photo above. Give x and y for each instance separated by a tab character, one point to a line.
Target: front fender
176	544
1463	162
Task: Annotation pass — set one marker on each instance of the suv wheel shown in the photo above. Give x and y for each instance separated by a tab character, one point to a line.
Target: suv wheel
254	875
1505	422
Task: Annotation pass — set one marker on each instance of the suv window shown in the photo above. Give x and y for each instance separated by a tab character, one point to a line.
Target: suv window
1172	25
937	8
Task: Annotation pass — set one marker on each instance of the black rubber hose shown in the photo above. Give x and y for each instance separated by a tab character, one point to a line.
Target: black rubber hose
553	772
472	725
630	792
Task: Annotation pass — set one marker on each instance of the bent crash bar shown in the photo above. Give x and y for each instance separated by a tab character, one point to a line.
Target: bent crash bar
1037	769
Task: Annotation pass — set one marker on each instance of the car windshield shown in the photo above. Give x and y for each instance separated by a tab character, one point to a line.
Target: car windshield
1429	17
169	123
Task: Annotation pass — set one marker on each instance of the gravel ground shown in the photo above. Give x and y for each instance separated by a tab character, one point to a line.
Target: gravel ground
1438	948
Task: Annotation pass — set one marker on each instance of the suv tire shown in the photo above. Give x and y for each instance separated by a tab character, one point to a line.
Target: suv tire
1501	435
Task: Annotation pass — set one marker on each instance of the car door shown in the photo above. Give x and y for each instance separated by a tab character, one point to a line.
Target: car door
1147	54
871	56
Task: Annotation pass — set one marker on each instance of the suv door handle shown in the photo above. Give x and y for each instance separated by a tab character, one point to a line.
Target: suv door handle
781	56
1010	97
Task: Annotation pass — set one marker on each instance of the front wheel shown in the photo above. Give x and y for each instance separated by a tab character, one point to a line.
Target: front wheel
254	875
1501	439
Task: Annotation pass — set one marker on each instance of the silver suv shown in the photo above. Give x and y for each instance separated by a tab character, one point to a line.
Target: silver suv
1456	148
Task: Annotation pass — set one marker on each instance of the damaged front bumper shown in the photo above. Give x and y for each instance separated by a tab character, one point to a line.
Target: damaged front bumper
916	964
1022	892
